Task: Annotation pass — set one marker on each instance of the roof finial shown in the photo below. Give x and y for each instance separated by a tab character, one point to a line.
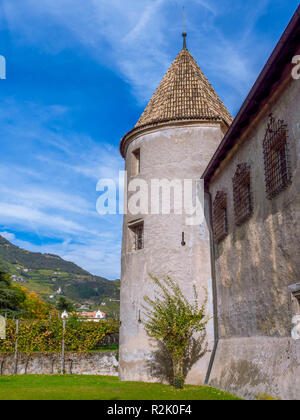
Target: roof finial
184	34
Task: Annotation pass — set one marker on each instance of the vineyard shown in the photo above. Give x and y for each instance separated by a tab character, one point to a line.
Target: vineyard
28	337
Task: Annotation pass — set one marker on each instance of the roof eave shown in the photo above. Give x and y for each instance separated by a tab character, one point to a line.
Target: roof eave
164	123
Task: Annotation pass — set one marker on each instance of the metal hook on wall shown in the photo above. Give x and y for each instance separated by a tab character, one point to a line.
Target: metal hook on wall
182	241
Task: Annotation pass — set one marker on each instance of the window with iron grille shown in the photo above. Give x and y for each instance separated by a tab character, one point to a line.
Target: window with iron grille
137	231
220	216
276	160
242	197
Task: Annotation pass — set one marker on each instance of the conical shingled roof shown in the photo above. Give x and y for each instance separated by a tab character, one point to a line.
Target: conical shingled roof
184	93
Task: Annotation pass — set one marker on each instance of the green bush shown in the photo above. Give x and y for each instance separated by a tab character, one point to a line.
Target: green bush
172	320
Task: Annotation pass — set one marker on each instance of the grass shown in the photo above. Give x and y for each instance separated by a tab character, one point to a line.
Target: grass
71	387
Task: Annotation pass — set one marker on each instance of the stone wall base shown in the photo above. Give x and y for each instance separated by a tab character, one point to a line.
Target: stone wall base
140	366
100	363
251	366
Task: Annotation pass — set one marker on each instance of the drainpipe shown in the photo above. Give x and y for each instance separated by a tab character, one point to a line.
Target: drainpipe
214	288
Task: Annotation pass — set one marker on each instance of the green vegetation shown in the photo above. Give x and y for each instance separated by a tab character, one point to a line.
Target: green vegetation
266	397
33	387
64	304
11	298
45	274
46	336
16	301
172	321
36	261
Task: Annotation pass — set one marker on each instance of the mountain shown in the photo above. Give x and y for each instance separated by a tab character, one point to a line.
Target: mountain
50	276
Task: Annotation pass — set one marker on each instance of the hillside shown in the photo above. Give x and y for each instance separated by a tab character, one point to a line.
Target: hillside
50	276
36	261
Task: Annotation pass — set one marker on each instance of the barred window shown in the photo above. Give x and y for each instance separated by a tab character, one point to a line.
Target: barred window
276	161
137	236
220	216
242	197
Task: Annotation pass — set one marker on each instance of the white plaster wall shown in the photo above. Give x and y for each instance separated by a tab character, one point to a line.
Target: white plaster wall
174	152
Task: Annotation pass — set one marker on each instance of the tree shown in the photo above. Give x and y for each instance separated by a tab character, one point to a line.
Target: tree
11	297
173	322
35	307
64	304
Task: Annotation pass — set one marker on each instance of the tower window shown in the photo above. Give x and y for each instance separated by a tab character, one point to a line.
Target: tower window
220	216
242	197
296	297
275	146
295	294
136	162
137	235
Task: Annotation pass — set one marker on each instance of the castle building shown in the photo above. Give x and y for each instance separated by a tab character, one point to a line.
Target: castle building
245	250
253	184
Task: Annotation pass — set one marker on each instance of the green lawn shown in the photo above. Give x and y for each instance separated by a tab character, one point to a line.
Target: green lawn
71	387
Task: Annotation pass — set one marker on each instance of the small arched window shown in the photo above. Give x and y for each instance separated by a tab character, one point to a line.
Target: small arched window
242	197
276	159
220	216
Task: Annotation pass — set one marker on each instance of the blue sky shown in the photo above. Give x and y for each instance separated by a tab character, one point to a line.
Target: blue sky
79	74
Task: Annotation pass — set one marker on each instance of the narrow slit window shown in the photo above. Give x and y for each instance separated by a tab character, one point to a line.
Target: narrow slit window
242	196
220	229
297	302
276	157
137	236
295	298
136	157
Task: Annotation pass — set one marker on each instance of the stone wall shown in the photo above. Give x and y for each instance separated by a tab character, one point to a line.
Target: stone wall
258	261
257	266
251	366
99	363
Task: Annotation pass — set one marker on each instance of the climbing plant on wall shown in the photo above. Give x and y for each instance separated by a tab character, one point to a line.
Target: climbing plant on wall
173	322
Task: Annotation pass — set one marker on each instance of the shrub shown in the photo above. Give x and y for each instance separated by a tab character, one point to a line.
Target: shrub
173	322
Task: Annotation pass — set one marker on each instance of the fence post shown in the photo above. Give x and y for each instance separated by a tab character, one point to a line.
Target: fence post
16	348
63	349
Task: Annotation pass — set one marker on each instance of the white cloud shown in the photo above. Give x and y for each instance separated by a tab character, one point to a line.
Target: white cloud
144	20
9	236
101	161
208	5
140	38
29	216
39	198
53	196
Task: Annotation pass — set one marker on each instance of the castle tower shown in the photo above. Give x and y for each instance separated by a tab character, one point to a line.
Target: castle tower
174	139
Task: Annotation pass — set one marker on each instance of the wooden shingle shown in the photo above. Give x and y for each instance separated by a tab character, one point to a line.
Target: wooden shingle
184	93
